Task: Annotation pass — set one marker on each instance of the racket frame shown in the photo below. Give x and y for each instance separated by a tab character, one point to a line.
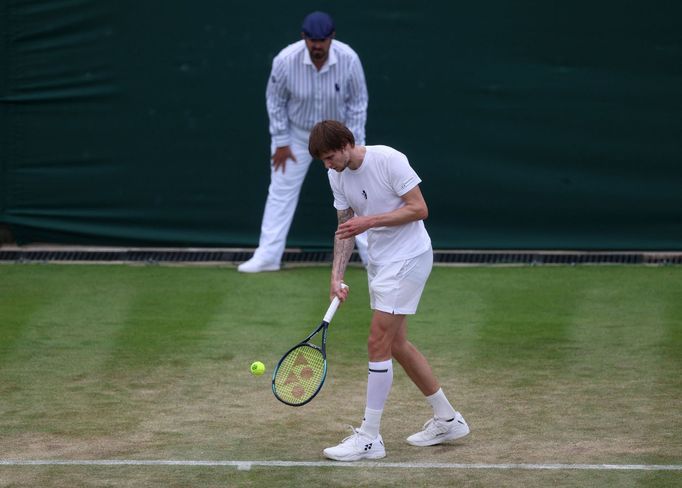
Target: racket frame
324	327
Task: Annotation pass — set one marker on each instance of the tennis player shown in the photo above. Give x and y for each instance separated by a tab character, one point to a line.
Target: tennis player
376	190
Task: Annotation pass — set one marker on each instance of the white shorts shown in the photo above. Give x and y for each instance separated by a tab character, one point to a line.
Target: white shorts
397	287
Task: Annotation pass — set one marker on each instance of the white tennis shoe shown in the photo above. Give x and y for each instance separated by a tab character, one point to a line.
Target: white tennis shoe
256	265
437	431
357	446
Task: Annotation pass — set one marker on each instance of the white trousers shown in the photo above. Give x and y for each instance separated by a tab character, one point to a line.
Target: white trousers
280	206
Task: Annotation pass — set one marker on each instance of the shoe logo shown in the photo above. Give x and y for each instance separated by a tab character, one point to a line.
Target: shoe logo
368	446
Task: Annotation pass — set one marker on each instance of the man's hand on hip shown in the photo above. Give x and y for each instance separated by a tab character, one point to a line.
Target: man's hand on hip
279	159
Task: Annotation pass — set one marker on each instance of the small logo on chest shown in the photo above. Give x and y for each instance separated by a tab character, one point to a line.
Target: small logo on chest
364	194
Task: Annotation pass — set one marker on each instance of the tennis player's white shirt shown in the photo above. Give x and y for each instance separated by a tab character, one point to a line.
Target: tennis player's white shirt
299	95
377	187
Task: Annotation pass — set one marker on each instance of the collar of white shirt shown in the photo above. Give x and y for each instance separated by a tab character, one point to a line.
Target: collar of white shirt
330	61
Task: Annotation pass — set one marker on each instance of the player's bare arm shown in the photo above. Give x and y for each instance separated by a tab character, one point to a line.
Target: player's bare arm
414	209
343	248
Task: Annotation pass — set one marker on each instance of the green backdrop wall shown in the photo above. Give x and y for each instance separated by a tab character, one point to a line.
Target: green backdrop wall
533	124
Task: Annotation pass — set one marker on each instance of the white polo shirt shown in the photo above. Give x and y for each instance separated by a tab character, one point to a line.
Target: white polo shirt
374	188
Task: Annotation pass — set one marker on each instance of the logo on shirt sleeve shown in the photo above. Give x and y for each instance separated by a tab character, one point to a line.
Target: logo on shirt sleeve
407	183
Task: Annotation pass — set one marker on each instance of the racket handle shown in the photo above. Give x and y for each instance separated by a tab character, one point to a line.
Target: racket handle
333	306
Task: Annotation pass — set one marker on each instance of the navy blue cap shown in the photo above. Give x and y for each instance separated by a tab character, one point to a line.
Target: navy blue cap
318	25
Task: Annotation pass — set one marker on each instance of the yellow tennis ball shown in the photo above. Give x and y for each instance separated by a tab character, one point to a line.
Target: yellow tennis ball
257	368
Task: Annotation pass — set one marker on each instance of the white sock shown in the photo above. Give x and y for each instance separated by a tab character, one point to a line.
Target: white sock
441	406
371	422
379	384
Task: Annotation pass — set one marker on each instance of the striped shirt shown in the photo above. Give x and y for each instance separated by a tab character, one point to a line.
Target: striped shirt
299	95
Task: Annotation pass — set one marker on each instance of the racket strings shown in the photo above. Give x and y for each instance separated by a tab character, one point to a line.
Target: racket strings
299	375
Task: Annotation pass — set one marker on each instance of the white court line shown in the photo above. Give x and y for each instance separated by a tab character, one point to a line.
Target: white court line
246	465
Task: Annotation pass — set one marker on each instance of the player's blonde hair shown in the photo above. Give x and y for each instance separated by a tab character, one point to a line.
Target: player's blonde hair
329	135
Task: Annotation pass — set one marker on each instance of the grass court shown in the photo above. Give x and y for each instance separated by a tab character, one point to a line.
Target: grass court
549	365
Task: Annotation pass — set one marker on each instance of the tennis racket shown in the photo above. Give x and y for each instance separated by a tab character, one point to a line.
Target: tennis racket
301	372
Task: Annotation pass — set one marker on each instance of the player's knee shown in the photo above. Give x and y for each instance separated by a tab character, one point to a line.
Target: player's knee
378	346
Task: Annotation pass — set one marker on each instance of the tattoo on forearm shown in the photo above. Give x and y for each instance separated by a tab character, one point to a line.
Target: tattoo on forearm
344	215
343	248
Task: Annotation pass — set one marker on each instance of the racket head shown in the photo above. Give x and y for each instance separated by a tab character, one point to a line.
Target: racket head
299	375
